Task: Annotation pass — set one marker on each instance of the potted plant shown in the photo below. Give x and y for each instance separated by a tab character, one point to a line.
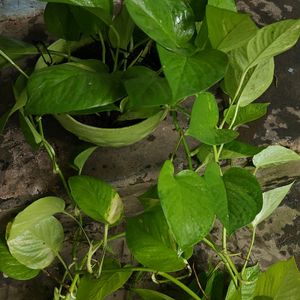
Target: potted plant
197	48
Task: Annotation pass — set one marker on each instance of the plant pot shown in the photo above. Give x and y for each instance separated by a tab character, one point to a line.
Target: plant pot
105	137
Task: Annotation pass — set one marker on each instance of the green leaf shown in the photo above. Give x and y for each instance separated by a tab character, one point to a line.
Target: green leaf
168	22
146	88
214	288
271	201
104	4
96	199
151	243
244	197
12	268
198	7
189	75
255	81
236	149
204	119
246	114
225	4
216	186
91	288
187	205
150	198
202	41
124	27
246	291
37	246
71	87
273	156
15	49
280	281
60	21
35	236
227	29
82	157
151	295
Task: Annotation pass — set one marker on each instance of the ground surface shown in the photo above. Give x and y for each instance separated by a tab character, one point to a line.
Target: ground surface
26	175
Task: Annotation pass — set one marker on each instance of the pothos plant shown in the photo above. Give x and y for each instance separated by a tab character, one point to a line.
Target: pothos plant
200	44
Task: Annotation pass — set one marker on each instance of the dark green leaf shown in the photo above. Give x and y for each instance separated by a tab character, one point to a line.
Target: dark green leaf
151	295
214	288
189	75
215	184
91	288
204	119
35	236
202	41
280	281
244	197
151	243
271	201
96	199
273	156
14	49
104	4
122	30
12	268
169	22
246	114
61	22
150	198
227	29
236	149
82	157
198	7
187	205
146	88
225	4
70	87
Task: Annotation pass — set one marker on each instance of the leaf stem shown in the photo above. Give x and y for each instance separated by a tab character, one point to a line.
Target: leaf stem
249	251
103	46
64	265
105	237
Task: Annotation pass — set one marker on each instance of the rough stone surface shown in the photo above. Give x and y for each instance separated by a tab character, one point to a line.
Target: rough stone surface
26	175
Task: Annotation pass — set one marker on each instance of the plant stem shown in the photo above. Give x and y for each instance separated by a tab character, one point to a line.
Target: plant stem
64	265
103	46
117	236
106	227
249	251
13	63
224	239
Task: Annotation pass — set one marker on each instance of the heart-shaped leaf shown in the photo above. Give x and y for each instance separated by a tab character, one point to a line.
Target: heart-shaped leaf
271	201
227	29
149	239
273	156
82	157
71	87
244	197
168	22
204	119
189	75
12	268
187	204
225	4
96	199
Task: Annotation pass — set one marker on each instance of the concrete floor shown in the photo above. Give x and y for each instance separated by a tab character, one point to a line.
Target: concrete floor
26	175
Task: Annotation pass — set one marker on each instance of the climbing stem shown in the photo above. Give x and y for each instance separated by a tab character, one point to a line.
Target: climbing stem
105	238
249	251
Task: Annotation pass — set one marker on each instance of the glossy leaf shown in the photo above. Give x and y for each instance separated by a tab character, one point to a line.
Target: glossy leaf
149	239
151	295
227	29
204	119
280	281
96	199
124	27
38	245
82	157
61	22
91	288
12	268
70	87
146	88
168	22
246	291
225	4
273	156
15	49
190	75
255	81
104	4
187	205
271	201
35	236
244	197
215	184
246	114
